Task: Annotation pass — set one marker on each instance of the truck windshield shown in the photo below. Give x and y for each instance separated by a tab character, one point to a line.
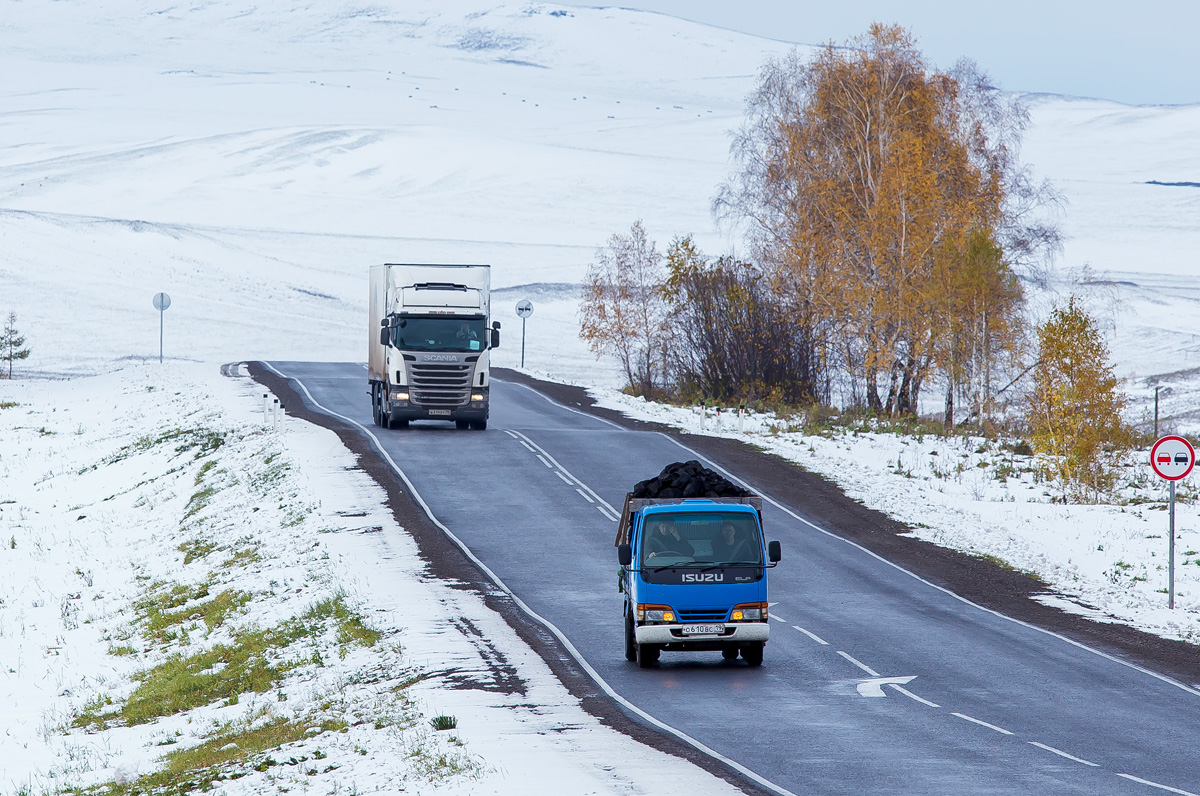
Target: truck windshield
701	539
440	334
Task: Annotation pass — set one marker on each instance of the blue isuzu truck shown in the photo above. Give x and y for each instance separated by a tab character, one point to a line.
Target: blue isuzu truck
694	575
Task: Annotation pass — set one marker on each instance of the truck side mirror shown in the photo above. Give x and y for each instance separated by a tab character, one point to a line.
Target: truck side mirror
383	336
624	555
385	322
495	338
774	552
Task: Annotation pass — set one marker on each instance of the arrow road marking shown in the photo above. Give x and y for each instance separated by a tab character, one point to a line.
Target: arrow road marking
874	686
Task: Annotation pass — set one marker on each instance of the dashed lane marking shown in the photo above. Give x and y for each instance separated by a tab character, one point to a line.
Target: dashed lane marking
1061	753
911	695
982	723
858	663
586	496
568	481
543	458
1167	788
811	635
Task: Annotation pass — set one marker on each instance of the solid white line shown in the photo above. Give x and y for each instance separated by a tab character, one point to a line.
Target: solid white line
859	664
606	514
1061	753
771	615
545	462
981	723
500	584
1167	788
531	450
566	480
911	695
812	635
1160	677
509	433
586	496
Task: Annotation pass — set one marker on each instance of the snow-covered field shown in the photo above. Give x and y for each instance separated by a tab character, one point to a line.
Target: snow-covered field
252	161
150	516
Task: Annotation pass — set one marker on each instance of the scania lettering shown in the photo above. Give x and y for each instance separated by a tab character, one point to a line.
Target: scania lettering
694	575
430	337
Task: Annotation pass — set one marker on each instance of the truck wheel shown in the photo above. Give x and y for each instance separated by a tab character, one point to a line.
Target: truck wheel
730	653
479	425
647	655
375	405
753	653
630	638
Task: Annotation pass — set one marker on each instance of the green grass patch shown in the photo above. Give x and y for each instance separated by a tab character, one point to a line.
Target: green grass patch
253	661
242	557
195	549
8	404
229	755
163	614
203	441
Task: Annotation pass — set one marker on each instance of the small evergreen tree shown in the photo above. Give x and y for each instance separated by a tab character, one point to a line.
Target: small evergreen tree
1075	404
11	343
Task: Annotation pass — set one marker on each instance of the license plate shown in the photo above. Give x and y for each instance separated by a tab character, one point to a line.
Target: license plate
703	630
440	412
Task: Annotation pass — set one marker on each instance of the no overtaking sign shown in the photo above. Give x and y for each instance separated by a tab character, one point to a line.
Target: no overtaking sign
1172	458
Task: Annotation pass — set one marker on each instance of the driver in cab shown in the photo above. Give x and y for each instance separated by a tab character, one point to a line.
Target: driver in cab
664	539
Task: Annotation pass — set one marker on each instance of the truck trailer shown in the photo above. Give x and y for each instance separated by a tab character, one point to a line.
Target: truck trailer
694	575
430	335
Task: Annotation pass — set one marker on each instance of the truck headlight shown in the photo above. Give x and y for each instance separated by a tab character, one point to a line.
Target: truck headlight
749	612
655	613
476	396
399	395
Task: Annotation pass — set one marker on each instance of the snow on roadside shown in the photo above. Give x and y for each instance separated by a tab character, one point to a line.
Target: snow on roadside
154	531
1104	561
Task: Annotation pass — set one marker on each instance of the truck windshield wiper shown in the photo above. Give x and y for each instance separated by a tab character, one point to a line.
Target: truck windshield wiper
680	564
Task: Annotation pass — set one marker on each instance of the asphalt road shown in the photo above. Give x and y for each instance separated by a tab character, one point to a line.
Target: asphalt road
994	706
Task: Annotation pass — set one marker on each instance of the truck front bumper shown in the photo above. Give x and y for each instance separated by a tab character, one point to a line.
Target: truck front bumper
672	636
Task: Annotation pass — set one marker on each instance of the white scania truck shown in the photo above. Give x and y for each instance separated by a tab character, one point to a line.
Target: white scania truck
430	335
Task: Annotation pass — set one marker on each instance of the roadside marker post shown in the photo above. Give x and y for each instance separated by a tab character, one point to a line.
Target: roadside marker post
1172	459
524	309
161	302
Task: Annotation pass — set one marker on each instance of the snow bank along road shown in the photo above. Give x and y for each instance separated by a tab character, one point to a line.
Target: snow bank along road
875	681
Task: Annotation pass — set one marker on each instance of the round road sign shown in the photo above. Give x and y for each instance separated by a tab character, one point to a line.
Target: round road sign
524	308
161	301
1172	458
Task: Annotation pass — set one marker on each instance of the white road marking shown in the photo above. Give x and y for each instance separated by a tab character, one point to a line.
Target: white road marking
548	399
1167	788
545	462
586	496
981	723
771	615
911	695
858	663
509	433
566	480
542	452
874	688
531	450
768	499
811	635
607	516
1061	753
500	584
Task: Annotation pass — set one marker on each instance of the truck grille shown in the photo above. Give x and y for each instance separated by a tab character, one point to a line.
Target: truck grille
439	385
704	615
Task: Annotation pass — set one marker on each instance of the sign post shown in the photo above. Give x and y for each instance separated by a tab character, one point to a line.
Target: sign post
161	302
1172	459
524	309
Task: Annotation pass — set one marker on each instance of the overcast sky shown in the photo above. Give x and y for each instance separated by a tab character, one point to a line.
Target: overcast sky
1135	52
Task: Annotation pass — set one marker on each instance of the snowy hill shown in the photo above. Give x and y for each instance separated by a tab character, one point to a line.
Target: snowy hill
253	162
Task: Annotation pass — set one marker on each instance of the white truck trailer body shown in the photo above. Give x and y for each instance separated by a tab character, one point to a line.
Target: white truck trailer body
430	337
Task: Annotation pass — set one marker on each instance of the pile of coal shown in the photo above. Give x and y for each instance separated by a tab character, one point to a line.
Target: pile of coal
687	480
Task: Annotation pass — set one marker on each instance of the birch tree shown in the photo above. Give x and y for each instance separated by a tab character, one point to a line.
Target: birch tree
621	313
